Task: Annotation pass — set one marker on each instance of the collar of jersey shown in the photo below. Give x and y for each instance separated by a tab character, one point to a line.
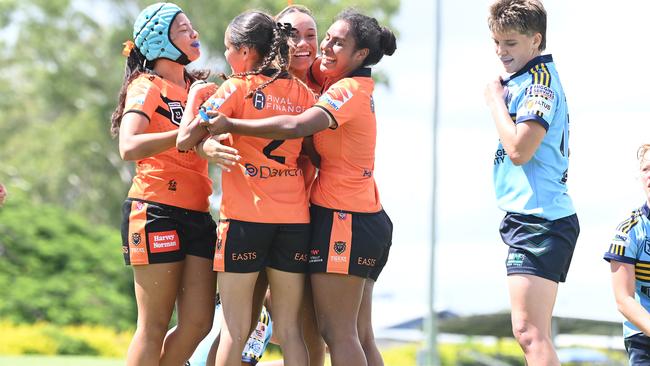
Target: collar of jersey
646	210
542	59
363	72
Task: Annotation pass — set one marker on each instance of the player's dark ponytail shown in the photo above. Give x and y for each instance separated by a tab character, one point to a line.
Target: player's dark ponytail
136	64
387	41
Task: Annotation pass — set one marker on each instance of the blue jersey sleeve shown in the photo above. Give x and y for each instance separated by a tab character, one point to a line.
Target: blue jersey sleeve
624	246
538	103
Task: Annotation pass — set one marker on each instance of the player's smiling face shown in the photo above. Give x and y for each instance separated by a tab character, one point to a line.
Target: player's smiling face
515	49
339	54
303	42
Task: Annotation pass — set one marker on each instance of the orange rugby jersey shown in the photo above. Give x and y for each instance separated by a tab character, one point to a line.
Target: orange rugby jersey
267	186
172	177
345	180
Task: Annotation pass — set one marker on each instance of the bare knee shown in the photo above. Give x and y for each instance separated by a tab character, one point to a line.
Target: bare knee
367	338
153	331
196	328
240	334
527	335
286	333
337	334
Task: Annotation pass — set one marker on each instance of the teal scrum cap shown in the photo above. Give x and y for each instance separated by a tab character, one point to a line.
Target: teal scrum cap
151	33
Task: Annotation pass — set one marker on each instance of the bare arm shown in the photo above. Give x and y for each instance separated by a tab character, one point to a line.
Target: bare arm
134	144
189	131
520	140
277	127
623	284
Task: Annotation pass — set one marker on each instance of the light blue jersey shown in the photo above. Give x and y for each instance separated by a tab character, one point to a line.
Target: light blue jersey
538	187
631	244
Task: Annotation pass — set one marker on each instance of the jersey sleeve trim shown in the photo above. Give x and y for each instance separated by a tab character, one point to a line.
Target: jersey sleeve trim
533	117
333	124
138	112
617	258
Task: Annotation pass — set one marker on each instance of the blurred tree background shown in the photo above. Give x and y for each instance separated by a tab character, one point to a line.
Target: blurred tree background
60	255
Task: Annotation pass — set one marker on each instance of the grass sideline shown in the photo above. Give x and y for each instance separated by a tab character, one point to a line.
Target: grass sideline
397	356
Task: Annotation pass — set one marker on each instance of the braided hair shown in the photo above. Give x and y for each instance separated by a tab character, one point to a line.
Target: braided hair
259	31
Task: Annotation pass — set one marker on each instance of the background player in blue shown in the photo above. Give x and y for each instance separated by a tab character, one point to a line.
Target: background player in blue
530	171
629	257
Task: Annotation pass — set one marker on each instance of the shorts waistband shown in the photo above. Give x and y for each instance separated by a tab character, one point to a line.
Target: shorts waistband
347	211
131	199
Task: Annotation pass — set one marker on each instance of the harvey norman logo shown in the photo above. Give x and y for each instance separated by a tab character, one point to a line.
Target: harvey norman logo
163	241
337	97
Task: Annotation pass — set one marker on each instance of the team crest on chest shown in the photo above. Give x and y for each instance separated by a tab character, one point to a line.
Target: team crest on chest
176	112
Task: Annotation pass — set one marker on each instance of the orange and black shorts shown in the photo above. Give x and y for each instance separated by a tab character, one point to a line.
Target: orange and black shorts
349	243
245	247
158	233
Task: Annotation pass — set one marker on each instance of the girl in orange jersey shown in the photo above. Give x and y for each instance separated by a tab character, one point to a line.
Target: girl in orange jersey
304	47
264	218
168	234
351	234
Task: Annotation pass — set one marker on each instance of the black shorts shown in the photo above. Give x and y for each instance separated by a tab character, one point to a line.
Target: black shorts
538	246
157	233
638	349
245	247
349	242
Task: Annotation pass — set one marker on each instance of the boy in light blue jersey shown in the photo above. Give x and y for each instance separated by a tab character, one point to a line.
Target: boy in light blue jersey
530	171
629	257
537	187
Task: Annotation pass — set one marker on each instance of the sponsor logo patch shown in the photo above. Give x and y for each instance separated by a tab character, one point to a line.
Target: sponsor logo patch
259	100
265	172
336	97
515	260
246	256
621	238
538	90
163	241
537	105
